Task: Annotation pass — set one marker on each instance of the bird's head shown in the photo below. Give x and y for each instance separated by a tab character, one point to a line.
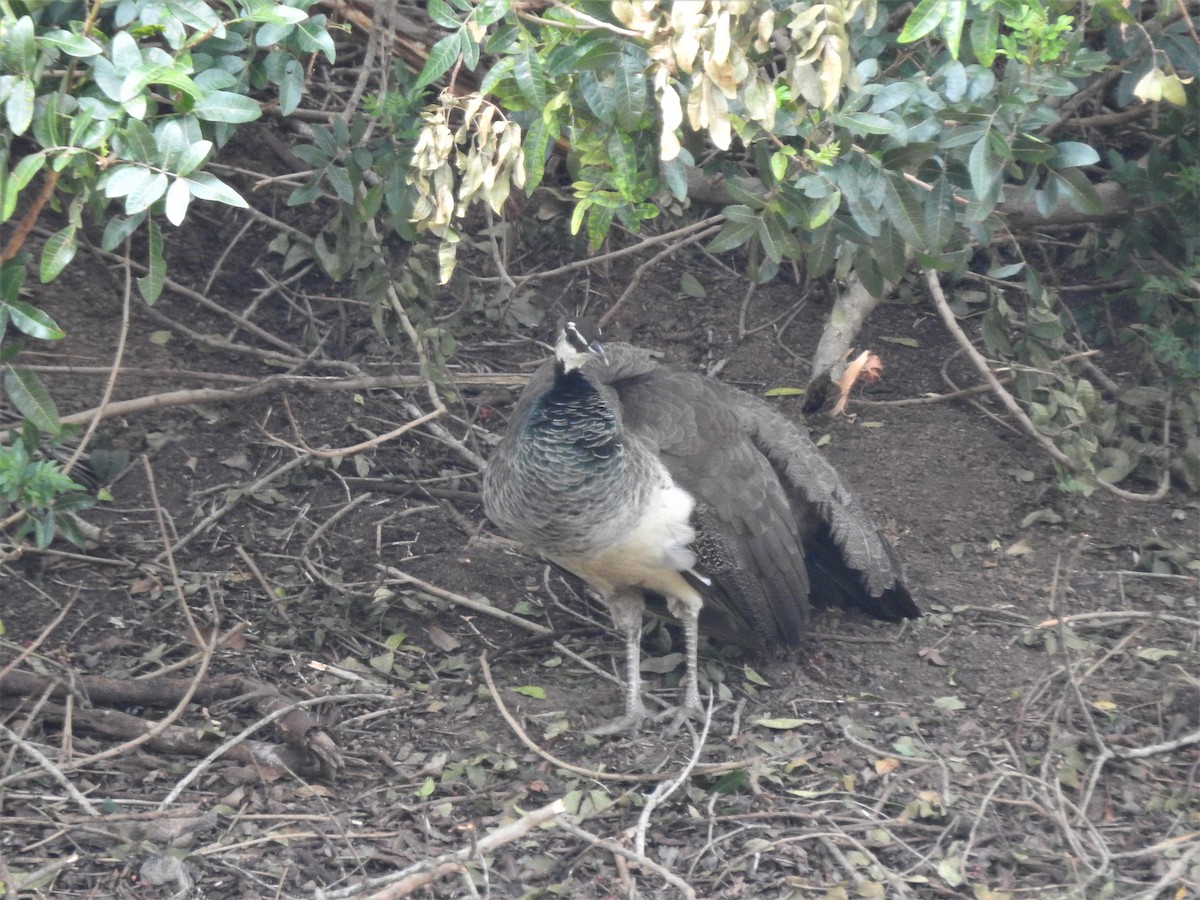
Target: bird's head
577	342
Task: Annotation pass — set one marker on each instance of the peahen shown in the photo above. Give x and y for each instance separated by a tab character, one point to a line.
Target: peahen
640	478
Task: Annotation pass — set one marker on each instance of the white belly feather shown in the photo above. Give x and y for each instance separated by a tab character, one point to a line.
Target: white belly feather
652	554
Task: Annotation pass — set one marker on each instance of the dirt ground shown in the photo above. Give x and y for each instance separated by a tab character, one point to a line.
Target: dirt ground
1026	737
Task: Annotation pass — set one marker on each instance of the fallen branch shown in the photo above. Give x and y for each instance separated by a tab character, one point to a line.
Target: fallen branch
269	385
184	740
404	882
638	859
310	748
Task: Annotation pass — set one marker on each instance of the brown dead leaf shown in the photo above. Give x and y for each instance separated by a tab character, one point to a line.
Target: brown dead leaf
105	645
887	765
313	790
443	640
252	774
230	640
146	585
933	656
237	460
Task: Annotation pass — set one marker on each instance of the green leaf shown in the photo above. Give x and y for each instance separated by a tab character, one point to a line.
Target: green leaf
291	87
1002	272
171	143
200	16
76	45
952	25
442	14
598	222
125	53
888	254
488	12
148	189
178	198
622	156
533	691
690	286
753	677
823	248
951	703
534	145
904	211
984	168
151	284
469	50
315	38
864	123
193	157
1073	153
784	724
136	142
824	210
31	399
775	237
630	89
20	46
438	62
868	273
22	173
865	216
1080	192
32	321
18	108
275	14
225	106
531	78
926	17
732	235
985	36
57	253
939	215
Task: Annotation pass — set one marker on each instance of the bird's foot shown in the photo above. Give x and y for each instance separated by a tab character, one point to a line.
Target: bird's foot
630	723
677	715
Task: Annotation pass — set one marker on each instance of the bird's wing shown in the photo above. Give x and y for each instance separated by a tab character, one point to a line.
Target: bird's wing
850	563
748	541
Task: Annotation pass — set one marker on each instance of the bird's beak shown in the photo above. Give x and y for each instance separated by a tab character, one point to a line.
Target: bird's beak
598	348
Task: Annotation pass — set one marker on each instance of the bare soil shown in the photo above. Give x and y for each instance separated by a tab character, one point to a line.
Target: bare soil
1023	738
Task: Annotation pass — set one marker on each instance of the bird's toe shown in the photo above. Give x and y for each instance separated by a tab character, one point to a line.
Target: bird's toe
630	723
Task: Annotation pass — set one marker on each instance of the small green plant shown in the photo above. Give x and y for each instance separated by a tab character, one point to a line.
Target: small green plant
41	497
1033	36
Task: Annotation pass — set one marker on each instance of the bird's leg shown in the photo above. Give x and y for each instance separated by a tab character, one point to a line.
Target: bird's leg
691	639
687	610
626	610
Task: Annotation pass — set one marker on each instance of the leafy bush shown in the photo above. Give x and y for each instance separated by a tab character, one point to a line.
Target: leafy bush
108	113
843	144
